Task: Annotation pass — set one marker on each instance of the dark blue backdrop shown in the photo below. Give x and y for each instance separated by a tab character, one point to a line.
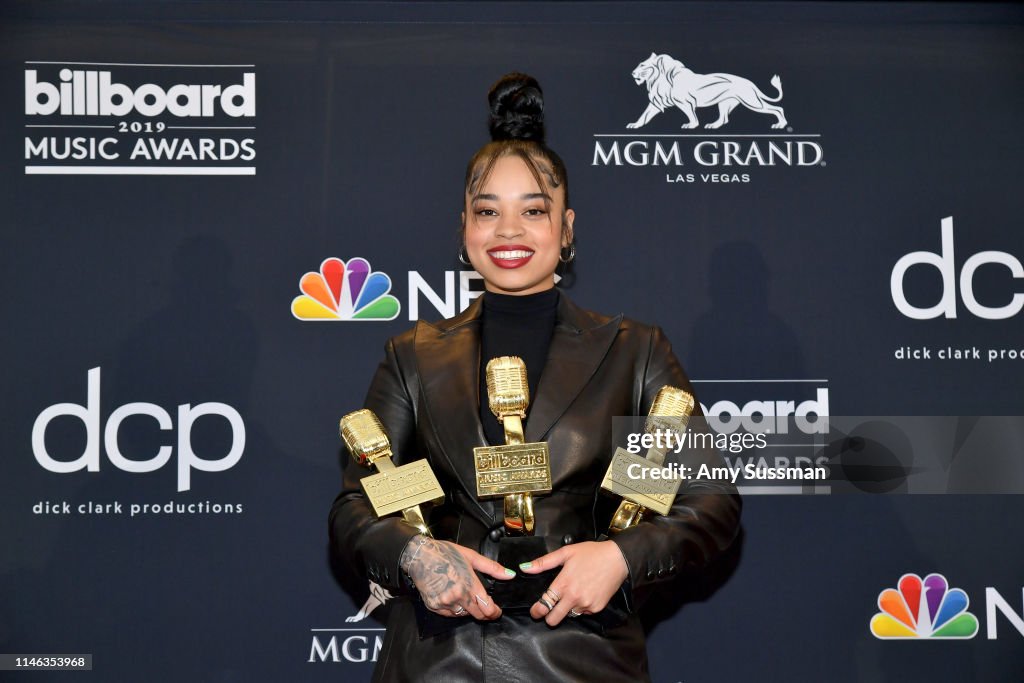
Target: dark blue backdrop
774	285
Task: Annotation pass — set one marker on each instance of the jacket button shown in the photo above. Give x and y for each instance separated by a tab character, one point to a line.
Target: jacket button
497	533
661	572
651	573
568	539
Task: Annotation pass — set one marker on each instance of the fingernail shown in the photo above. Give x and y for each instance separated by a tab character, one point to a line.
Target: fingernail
525	565
510	572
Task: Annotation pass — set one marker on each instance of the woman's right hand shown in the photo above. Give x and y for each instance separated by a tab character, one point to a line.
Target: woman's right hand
443	574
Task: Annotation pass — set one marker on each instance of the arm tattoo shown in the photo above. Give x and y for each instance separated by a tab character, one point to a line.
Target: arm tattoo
436	568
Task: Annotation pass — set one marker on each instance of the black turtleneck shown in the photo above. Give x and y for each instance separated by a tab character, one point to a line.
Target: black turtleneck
515	326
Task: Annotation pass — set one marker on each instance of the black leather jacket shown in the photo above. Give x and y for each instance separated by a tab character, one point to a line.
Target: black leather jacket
426	394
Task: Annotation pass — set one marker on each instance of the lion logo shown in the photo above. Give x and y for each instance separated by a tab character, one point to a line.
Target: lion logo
671	84
378	596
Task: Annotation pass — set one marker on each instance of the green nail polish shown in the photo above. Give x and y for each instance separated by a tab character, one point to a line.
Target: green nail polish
509	572
525	565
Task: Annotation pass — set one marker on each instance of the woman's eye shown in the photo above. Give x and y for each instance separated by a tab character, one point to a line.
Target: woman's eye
486	212
535	212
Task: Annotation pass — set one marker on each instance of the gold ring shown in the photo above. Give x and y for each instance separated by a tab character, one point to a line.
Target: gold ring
547	604
574	613
554	594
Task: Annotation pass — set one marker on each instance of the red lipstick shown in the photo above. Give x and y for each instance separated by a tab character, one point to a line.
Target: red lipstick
510	255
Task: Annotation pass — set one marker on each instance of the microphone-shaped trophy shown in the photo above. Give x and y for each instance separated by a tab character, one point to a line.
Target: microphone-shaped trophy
516	470
393	488
668	415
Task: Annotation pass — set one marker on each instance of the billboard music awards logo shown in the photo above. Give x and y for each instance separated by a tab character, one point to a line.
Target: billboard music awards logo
107	118
928	609
794	411
943	302
673	90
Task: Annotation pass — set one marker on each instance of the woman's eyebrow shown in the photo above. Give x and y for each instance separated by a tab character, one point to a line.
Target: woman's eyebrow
526	197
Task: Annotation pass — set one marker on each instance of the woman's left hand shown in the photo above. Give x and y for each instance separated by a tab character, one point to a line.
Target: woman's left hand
591	573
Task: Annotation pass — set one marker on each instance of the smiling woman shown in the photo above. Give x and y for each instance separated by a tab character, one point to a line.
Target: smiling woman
515	231
517	221
459	614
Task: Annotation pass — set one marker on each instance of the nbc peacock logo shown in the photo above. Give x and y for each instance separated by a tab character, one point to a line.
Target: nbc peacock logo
345	291
926	608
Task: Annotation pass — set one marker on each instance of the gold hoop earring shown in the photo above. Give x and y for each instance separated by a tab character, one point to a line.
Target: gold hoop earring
571	256
464	256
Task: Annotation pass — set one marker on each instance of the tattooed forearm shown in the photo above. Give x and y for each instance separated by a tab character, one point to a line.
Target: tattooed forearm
441	574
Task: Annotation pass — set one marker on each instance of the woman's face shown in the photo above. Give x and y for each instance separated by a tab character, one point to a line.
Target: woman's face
513	237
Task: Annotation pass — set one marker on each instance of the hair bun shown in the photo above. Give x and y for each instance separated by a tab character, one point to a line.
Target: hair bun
517	108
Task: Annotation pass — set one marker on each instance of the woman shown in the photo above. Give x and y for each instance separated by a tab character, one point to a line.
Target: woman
583	369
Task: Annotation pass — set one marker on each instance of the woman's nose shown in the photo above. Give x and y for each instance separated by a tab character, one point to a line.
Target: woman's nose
509	227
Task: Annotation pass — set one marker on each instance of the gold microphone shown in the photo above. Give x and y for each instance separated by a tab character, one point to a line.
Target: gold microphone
392	489
669	414
516	470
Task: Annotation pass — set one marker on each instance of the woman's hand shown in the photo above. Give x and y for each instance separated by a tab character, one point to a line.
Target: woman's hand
443	574
591	573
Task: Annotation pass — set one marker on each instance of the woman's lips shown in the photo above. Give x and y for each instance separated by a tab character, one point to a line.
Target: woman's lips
514	256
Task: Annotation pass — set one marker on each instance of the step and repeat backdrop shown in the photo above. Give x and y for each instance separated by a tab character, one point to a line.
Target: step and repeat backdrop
215	214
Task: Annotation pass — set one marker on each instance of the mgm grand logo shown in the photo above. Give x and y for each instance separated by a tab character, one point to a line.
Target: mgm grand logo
715	157
353	644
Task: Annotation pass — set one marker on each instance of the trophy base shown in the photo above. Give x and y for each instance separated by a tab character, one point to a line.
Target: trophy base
519	594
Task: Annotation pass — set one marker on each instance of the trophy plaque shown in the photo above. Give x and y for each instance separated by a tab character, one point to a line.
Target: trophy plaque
393	489
669	413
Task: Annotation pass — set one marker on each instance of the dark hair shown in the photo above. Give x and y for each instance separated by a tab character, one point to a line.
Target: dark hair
517	128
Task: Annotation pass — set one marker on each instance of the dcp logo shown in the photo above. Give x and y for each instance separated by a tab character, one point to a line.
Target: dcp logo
89	414
946	266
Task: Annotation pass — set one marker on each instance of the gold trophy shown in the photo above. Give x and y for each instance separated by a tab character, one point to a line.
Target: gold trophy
516	470
670	412
392	489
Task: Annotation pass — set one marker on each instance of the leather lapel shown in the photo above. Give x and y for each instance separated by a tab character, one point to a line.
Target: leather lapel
448	358
578	346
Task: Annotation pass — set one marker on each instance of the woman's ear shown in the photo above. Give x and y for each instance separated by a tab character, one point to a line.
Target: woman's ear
567	233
